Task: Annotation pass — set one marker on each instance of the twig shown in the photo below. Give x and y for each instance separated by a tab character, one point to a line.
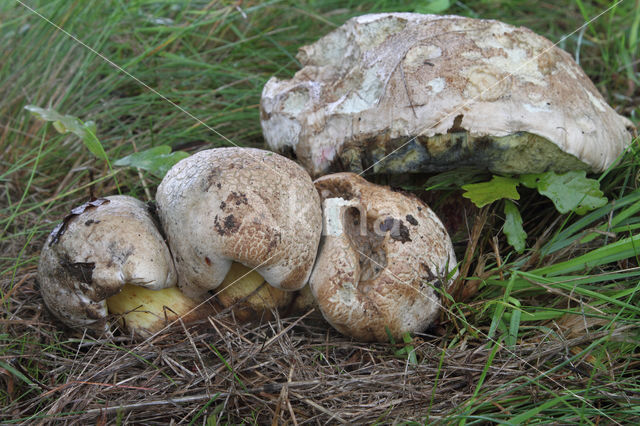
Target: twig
157	403
319	408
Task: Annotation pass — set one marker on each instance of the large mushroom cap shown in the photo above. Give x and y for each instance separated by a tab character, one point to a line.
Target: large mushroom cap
240	204
97	249
383	258
439	92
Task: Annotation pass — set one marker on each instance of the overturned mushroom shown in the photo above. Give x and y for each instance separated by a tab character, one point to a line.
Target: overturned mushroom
401	92
110	248
240	205
383	259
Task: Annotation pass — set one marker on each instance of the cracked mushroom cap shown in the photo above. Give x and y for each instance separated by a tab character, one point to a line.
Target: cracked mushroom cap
239	204
383	257
97	249
436	93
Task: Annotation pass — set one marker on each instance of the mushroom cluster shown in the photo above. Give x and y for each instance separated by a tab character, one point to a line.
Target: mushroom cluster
245	225
391	93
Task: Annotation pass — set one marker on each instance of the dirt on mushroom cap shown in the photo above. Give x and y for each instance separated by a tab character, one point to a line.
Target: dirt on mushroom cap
471	92
96	250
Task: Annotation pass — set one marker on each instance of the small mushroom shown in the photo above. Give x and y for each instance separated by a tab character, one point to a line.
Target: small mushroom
240	205
109	248
400	92
383	260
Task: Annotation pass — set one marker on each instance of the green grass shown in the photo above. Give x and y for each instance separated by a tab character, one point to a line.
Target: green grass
562	318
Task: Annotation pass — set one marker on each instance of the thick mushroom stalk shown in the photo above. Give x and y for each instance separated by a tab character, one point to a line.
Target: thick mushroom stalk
383	259
99	248
249	296
144	312
240	205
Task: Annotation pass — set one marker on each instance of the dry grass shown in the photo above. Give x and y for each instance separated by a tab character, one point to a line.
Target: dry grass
575	358
284	371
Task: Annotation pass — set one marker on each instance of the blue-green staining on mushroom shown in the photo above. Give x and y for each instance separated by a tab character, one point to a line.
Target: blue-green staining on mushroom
424	93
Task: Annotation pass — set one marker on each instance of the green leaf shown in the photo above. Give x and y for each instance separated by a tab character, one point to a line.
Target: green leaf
513	226
531	414
495	320
16	373
514	322
626	248
571	191
531	180
407	350
433	6
70	124
157	160
497	188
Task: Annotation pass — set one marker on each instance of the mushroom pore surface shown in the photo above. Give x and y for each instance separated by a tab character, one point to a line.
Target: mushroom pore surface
246	205
382	260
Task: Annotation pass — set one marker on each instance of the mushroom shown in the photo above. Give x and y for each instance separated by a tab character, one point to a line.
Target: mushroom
383	260
240	205
144	312
101	254
401	92
249	296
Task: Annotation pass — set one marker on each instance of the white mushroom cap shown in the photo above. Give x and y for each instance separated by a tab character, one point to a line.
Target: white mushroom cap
472	92
382	259
98	248
239	204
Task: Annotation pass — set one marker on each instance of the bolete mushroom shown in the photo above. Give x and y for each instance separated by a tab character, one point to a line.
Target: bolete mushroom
401	92
383	259
103	259
242	205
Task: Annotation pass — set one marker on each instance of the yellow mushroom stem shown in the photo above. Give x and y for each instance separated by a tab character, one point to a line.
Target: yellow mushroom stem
142	311
249	295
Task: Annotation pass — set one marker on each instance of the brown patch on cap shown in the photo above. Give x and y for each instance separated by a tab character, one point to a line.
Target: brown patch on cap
61	228
412	220
114	241
237	198
373	276
266	215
